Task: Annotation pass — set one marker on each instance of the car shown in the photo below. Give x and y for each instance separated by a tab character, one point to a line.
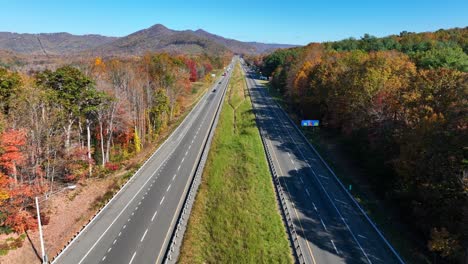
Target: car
214	90
220	82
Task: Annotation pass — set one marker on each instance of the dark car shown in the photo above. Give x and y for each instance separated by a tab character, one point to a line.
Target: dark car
214	90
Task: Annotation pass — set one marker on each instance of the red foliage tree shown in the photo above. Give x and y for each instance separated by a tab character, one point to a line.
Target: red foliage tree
11	142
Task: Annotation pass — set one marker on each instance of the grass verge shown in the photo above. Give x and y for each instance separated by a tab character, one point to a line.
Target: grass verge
235	218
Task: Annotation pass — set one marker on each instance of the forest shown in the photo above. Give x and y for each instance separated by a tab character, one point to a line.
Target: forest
400	105
64	125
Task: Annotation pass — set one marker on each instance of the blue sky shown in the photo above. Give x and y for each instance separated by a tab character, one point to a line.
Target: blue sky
286	21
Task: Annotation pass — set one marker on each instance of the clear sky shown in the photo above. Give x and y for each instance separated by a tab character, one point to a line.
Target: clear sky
278	21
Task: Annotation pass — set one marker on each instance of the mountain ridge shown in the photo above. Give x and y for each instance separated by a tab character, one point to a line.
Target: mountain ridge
154	38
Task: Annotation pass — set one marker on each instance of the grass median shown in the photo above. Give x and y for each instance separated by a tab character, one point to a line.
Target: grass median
235	218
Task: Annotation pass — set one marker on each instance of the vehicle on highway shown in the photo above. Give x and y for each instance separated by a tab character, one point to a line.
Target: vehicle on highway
214	90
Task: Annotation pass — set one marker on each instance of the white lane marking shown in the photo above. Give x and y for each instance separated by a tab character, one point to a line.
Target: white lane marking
323	224
300	178
109	250
136	208
178	168
325	177
307	191
315	207
292	161
174	176
186	152
161	200
289	155
189	146
333	243
154	215
128	220
341	201
182	160
132	258
115	240
361	236
120	233
143	237
104	258
168	187
192	141
124	226
133	213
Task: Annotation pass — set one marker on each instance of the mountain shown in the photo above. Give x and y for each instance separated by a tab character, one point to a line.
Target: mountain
159	38
155	38
50	43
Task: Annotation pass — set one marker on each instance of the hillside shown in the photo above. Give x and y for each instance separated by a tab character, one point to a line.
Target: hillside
154	38
50	43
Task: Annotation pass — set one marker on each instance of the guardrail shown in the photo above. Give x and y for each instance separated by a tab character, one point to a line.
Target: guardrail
282	197
361	210
175	243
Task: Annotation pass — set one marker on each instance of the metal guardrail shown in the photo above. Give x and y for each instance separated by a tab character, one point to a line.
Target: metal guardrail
173	250
282	197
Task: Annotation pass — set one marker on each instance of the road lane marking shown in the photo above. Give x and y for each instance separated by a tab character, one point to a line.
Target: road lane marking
143	237
168	187
323	224
124	226
289	155
182	160
115	240
333	243
154	215
178	168
133	213
136	208
326	192
161	200
186	152
104	258
307	191
325	177
295	211
341	201
315	207
361	236
131	260
119	233
174	176
139	203
109	250
300	178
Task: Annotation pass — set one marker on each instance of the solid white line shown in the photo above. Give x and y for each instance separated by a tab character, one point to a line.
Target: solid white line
154	215
323	224
143	237
161	200
168	187
132	258
307	191
334	246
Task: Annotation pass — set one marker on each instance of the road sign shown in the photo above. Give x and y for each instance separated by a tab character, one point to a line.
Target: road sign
312	123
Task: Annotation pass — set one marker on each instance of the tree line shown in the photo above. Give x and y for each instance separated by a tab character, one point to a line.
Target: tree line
83	120
400	106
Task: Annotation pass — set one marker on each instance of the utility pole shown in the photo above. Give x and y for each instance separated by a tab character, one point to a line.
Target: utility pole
43	255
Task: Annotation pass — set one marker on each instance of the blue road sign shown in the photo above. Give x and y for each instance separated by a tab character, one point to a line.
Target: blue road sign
313	123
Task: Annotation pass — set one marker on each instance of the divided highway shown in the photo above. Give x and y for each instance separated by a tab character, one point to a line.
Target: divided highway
329	225
137	224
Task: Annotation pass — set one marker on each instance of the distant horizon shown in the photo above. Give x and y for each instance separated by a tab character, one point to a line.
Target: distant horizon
355	37
297	22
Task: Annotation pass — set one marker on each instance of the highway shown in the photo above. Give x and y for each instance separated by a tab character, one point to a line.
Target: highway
137	224
329	225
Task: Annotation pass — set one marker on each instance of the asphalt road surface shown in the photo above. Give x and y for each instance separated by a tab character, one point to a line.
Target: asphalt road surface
330	227
136	226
